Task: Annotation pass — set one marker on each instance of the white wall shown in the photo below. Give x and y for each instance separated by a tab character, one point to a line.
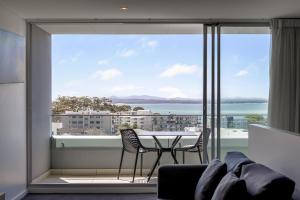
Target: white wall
276	149
12	122
105	153
40	100
10	21
70	152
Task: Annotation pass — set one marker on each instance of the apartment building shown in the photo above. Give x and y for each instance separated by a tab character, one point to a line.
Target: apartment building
141	119
107	123
175	122
86	123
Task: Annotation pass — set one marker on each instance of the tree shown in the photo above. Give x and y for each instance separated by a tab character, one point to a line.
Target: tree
255	119
134	126
124	126
122	108
72	103
138	108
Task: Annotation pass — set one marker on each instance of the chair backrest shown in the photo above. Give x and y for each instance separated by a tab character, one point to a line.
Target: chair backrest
130	140
199	141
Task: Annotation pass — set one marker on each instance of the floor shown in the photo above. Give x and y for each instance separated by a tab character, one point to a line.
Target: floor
68	179
90	197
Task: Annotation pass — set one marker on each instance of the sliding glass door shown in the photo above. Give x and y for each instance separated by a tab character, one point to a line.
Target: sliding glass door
245	83
235	84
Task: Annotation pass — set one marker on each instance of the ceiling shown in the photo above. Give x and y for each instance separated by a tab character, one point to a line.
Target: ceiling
121	28
155	9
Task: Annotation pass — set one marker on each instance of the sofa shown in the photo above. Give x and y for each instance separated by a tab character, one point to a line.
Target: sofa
252	181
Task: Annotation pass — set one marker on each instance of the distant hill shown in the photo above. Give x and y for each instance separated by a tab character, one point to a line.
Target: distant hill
145	99
142	97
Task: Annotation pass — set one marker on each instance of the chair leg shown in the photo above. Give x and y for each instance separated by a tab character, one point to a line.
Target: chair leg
135	163
200	157
157	155
175	154
154	166
141	170
122	155
159	160
183	157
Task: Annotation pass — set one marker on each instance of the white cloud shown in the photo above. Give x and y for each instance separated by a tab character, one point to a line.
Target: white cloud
73	83
103	62
62	61
172	92
152	43
125	88
68	92
241	73
146	42
127	53
70	88
178	69
235	59
71	59
74	59
107	74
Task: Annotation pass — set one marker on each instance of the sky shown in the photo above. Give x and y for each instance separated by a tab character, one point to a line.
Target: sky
167	66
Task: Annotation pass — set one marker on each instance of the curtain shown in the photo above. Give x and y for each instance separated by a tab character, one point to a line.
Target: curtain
284	99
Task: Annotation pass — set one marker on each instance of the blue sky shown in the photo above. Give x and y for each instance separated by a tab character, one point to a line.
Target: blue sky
157	65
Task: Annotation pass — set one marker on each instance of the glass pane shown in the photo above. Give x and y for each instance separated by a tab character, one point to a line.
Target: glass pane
244	84
104	82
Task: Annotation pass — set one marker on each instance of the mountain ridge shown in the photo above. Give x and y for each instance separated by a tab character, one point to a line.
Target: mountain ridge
146	99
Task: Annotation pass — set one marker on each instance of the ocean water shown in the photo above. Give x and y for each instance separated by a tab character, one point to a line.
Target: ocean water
195	109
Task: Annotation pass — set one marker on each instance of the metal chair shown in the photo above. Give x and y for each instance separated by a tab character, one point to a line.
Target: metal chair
195	148
132	144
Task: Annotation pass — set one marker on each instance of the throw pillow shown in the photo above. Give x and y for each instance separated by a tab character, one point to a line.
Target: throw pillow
210	179
231	188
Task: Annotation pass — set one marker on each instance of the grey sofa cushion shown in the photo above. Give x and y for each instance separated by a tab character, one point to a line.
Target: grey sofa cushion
209	180
235	161
265	184
231	188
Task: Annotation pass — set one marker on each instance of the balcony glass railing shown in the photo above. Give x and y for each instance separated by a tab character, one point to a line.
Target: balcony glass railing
110	124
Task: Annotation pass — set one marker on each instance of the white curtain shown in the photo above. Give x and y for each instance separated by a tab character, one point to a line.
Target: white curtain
284	99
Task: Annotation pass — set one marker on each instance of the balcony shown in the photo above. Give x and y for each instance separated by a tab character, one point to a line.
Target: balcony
86	148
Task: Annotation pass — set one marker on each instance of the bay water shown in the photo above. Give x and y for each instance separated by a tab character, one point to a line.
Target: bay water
196	109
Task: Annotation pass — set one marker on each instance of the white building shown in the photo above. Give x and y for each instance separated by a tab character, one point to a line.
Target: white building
176	122
141	119
93	122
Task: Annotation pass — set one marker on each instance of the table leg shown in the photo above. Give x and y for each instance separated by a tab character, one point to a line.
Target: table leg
158	142
174	157
176	140
174	143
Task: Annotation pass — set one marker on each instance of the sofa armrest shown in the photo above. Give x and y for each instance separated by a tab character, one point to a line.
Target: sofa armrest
178	181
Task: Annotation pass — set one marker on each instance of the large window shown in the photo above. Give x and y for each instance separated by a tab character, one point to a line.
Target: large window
150	82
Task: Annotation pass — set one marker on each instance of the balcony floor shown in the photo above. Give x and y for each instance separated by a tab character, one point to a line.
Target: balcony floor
104	179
